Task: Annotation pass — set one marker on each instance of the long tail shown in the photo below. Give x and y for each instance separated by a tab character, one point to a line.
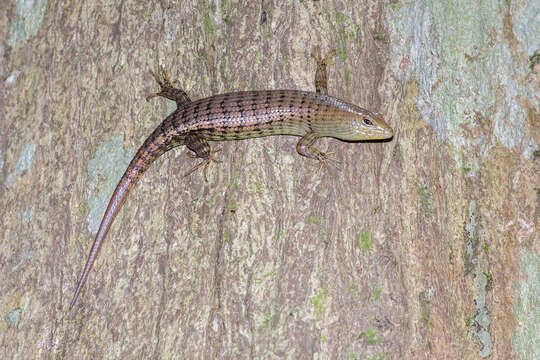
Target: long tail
147	153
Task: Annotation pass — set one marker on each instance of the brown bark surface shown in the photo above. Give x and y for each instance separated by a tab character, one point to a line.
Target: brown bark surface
424	247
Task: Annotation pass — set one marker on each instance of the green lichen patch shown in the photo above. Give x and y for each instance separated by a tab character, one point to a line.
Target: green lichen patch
313	220
377	356
231	207
426	198
472	239
227	238
426	297
255	186
104	172
483	280
365	242
27	20
526	339
346	30
485	247
396	4
149	14
482	319
324	338
489	280
13	317
533	60
355	290
377	291
466	169
491	78
270	319
370	336
27	214
318	301
25	162
266	275
424	316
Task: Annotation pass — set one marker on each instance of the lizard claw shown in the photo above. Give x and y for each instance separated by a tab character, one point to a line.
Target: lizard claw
320	60
163	81
205	162
327	161
168	90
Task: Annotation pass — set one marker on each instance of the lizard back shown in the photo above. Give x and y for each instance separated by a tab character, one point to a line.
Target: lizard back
249	114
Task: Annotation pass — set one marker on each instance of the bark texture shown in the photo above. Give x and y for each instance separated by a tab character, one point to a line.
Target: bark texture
425	247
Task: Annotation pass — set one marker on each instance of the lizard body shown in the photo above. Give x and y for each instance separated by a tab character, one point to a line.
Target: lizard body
242	115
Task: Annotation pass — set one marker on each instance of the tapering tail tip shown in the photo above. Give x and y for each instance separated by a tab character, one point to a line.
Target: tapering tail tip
80	285
133	172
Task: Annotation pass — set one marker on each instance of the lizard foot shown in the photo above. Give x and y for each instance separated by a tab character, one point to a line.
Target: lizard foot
164	83
205	162
168	90
327	161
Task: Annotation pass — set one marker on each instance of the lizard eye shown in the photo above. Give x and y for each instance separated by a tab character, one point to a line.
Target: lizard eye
367	121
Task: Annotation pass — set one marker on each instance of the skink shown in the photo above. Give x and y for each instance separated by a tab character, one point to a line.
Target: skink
242	115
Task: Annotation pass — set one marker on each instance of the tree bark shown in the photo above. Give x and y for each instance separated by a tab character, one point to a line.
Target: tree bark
424	247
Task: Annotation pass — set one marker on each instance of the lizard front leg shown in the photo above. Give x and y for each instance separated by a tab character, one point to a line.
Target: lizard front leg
304	147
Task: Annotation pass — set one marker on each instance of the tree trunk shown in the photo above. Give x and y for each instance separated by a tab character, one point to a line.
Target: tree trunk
422	247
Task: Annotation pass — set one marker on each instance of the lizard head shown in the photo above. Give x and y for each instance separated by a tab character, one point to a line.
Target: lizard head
366	125
353	123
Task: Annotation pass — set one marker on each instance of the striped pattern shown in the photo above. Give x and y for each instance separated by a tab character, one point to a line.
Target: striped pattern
236	116
250	114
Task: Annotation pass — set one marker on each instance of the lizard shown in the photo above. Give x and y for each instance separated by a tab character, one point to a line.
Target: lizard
242	115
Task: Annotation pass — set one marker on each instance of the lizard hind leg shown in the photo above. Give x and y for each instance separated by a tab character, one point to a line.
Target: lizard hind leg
201	150
168	90
321	75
